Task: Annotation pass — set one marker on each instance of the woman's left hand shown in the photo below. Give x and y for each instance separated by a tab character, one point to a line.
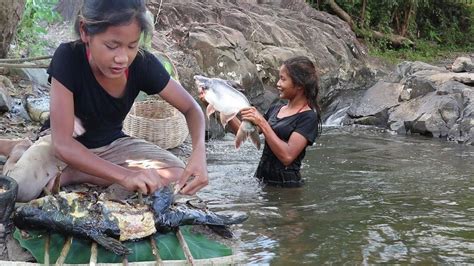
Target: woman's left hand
194	176
253	115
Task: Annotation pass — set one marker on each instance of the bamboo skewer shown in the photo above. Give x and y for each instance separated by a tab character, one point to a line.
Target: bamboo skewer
93	259
64	251
184	246
27	59
46	249
156	252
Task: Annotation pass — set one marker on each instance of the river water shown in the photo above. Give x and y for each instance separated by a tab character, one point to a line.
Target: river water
370	197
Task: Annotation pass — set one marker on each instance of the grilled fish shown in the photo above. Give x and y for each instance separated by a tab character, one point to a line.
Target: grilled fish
108	222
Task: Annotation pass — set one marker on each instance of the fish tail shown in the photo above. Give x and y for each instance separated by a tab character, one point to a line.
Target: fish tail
240	137
111	244
255	138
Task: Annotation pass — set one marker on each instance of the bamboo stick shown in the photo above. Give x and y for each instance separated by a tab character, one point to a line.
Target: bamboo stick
46	250
93	259
184	246
64	251
227	260
27	59
6	65
156	252
140	198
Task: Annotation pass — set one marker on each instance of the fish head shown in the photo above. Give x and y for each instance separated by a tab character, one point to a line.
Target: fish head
202	83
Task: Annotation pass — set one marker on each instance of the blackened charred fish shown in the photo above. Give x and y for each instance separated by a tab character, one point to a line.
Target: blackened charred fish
107	222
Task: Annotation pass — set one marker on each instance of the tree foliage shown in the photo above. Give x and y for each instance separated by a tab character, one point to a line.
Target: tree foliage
37	15
445	24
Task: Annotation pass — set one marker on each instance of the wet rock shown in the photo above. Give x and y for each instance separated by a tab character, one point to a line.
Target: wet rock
431	101
432	115
375	103
418	86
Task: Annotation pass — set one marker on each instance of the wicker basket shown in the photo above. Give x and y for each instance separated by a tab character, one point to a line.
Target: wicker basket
158	122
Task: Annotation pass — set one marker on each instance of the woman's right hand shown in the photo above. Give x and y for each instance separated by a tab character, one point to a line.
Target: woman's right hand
146	181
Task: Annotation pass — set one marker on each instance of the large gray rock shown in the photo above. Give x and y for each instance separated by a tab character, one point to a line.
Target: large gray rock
422	99
246	41
463	64
375	103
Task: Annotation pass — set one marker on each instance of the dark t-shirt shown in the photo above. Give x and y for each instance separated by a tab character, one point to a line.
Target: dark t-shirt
101	114
270	168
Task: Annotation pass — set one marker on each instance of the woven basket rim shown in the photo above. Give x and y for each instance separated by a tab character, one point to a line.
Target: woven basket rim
167	132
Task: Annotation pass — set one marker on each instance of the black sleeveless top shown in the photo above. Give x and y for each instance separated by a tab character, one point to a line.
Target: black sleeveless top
270	170
101	114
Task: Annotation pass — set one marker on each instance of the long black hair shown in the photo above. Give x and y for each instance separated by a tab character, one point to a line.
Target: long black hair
303	73
98	15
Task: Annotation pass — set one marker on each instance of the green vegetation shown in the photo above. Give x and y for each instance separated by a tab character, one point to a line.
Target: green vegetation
425	30
37	15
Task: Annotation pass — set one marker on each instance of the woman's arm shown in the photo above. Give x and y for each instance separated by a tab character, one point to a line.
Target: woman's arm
286	152
177	96
76	155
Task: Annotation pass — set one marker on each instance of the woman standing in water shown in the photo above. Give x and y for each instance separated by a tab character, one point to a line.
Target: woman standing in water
288	128
94	82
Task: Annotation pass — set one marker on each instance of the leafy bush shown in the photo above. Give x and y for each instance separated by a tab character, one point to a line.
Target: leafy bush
37	15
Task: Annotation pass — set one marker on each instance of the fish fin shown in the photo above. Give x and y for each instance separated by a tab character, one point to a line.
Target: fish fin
222	230
235	85
111	244
226	118
210	110
254	136
240	137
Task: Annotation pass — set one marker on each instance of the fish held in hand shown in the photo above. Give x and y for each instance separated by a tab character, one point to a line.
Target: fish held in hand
224	96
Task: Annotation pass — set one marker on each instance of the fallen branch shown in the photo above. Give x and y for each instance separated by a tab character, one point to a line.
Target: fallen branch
27	59
6	65
396	41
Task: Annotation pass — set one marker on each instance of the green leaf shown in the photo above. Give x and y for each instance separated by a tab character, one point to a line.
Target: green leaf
168	246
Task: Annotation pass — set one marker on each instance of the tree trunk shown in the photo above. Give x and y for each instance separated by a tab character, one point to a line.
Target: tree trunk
362	13
341	13
68	9
396	41
406	19
11	12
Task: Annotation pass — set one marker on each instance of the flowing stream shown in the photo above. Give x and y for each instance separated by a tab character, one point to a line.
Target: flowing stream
370	197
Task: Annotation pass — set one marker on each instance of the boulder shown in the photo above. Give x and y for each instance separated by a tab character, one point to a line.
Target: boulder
463	64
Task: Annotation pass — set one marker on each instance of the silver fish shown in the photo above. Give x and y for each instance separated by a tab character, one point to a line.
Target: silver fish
223	96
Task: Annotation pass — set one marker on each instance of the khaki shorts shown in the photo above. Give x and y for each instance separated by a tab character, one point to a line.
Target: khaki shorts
38	165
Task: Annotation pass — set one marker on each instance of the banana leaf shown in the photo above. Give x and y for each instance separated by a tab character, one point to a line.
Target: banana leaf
168	247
